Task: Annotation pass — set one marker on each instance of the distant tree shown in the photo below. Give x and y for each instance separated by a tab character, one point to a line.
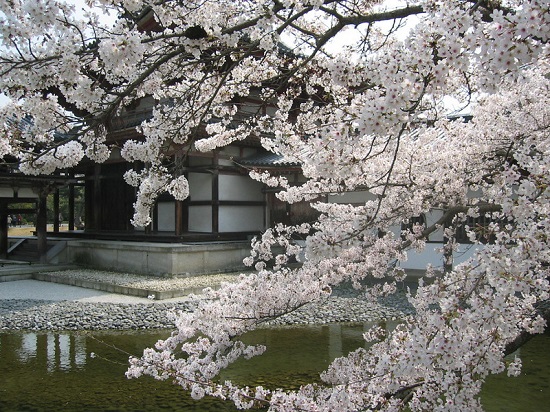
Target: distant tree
362	105
64	203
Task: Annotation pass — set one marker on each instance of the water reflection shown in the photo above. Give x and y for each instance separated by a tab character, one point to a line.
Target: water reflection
53	351
54	371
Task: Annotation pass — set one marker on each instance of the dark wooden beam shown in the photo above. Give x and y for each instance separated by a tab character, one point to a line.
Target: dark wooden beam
179	218
56	220
21	211
155	223
96	200
10	200
3	229
229	203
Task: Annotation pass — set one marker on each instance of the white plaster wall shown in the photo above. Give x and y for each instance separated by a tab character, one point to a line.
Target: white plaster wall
27	192
166	216
243	188
200	186
351	197
6	192
430	256
431	218
200	218
241	218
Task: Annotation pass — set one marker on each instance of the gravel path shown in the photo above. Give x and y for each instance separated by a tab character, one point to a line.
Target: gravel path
25	314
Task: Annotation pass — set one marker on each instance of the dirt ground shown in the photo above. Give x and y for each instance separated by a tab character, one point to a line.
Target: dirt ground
28	230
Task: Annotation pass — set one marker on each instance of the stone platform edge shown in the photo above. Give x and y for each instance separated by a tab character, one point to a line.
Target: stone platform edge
37	272
119	289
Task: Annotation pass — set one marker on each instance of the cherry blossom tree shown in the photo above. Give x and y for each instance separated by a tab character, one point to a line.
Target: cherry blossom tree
360	98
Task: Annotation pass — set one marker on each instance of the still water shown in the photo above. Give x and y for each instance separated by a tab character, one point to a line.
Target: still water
55	372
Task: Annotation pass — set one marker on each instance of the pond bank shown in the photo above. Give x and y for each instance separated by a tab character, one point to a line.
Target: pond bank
346	305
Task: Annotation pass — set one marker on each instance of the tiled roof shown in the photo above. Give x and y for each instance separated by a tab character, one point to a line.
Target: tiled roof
267	160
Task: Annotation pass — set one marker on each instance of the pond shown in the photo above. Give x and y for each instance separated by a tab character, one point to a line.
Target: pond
55	372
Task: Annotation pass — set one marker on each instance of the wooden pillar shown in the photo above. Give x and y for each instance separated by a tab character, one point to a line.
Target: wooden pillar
96	200
215	195
41	225
182	207
56	220
89	204
71	207
3	229
179	217
153	226
448	255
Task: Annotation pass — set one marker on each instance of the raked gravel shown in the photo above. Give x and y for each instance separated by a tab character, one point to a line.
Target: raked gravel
154	283
345	305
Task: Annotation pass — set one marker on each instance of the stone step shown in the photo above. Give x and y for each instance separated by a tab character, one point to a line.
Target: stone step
26	249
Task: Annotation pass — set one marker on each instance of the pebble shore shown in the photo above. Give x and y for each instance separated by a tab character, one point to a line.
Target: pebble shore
345	305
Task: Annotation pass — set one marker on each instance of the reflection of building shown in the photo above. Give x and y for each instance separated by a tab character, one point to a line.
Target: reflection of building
51	351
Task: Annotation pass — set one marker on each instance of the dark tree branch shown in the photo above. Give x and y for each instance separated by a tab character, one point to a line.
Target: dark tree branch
543	310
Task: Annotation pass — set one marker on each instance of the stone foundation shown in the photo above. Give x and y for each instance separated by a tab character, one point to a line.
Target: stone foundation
158	258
